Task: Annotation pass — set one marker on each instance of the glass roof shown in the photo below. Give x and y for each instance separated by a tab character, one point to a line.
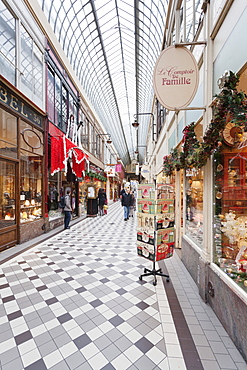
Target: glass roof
112	46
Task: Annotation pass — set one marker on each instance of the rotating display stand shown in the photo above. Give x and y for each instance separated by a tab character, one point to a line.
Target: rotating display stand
154	272
155	228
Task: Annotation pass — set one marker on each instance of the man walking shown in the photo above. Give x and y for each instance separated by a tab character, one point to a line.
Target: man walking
67	210
126	203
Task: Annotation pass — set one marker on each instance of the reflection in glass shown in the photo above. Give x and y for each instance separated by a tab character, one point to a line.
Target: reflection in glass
7	44
7	194
31	139
194	205
8	134
230	215
30	187
31	65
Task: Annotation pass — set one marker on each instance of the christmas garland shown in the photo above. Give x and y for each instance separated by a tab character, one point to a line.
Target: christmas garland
95	176
230	104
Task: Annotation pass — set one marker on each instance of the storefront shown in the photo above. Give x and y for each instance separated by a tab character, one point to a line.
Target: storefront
66	165
21	167
95	179
115	175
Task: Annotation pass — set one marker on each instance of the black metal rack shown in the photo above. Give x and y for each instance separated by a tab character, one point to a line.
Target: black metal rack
154	272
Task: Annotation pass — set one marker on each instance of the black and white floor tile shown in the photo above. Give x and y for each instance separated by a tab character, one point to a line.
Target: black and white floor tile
75	301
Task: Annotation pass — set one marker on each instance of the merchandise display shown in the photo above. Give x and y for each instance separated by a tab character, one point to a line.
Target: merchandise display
230	220
155	225
30	210
194	206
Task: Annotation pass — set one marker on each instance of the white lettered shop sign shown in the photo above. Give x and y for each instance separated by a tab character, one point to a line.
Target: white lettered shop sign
175	78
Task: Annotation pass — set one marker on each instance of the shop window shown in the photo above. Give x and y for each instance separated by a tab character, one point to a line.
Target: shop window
230	220
31	157
7	44
50	96
31	139
31	68
58	113
194	205
55	192
85	134
92	140
7	191
65	110
8	134
30	186
161	114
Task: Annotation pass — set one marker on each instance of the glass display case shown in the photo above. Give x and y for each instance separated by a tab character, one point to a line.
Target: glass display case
7	191
194	205
230	216
31	185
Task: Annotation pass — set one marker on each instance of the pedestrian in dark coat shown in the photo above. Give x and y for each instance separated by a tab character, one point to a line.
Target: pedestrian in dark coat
67	210
126	203
122	192
102	200
132	205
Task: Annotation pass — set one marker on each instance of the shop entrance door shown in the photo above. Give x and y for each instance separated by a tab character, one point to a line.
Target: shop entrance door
8	224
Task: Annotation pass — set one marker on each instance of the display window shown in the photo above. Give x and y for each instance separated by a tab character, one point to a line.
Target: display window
7	191
31	187
230	214
31	139
8	134
182	198
58	185
54	190
194	205
31	163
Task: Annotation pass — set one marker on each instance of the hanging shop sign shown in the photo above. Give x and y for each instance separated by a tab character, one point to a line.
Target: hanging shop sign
145	171
110	170
118	168
175	77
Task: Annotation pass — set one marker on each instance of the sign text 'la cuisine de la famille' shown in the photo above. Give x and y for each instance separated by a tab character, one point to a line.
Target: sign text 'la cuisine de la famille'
175	78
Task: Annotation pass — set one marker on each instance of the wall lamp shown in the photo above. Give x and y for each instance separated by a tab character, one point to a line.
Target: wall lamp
108	140
135	124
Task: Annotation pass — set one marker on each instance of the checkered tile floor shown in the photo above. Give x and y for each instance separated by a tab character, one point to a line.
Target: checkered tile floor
75	302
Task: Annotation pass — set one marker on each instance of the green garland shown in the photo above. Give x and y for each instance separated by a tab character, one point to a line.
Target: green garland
229	103
95	176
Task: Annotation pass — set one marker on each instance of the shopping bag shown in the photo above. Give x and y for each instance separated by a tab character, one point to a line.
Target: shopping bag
105	211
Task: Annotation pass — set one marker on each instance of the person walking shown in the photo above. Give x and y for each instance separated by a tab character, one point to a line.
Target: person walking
67	210
132	204
126	202
102	200
122	192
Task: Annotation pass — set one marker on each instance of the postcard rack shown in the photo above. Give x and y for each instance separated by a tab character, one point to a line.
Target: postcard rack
155	226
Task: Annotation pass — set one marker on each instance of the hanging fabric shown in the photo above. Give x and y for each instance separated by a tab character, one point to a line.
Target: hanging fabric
63	150
57	154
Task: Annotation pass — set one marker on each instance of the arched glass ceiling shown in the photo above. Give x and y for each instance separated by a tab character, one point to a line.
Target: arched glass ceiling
112	46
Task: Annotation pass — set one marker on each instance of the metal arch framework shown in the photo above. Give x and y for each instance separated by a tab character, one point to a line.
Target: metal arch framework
108	70
112	45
